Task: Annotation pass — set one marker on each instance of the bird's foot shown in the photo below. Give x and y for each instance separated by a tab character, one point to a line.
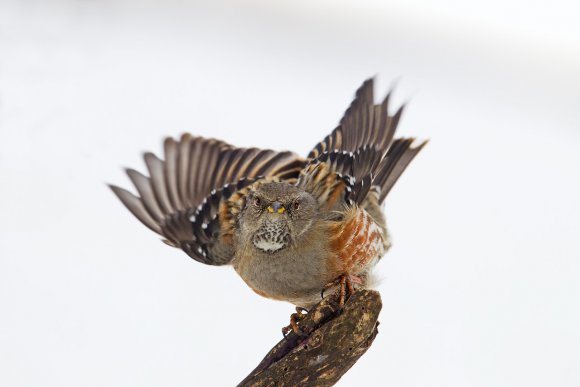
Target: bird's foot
345	285
295	319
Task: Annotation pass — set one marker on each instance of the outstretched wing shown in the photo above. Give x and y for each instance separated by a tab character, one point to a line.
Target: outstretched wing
360	153
363	123
336	177
183	195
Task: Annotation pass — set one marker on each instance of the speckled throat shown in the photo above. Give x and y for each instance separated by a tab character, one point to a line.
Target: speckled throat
272	236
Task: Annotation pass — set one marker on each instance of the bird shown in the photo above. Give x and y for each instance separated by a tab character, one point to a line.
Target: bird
290	226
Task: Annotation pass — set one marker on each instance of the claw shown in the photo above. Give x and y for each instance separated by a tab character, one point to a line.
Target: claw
346	287
295	318
286	330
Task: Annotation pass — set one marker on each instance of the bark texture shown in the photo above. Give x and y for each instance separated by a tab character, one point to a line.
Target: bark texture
335	340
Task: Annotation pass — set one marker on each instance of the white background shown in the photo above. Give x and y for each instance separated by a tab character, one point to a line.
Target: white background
482	286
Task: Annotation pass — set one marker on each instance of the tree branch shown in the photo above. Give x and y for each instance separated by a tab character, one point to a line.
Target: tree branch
335	340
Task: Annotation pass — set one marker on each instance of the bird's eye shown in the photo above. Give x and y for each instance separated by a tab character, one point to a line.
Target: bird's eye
296	205
257	201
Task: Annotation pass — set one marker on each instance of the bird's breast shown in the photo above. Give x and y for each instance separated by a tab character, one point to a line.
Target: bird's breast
296	272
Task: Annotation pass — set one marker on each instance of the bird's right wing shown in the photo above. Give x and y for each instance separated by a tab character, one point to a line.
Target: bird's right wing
187	197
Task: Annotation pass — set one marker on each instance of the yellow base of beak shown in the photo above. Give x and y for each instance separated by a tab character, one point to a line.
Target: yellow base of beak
280	210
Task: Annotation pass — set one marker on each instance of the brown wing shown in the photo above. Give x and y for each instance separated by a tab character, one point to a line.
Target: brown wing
337	177
361	149
182	196
363	123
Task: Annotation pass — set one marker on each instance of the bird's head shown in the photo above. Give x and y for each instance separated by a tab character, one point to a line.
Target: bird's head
276	215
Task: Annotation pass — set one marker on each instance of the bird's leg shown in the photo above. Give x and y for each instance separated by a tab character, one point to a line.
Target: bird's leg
342	290
295	318
346	287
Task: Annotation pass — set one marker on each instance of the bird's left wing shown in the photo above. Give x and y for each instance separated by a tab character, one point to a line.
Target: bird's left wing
360	152
339	177
192	197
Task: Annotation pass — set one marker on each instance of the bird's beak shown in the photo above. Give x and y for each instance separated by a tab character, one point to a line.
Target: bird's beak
276	207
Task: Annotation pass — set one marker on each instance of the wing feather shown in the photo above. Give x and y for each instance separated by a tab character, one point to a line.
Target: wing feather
394	164
183	195
135	205
361	151
155	167
171	171
143	185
